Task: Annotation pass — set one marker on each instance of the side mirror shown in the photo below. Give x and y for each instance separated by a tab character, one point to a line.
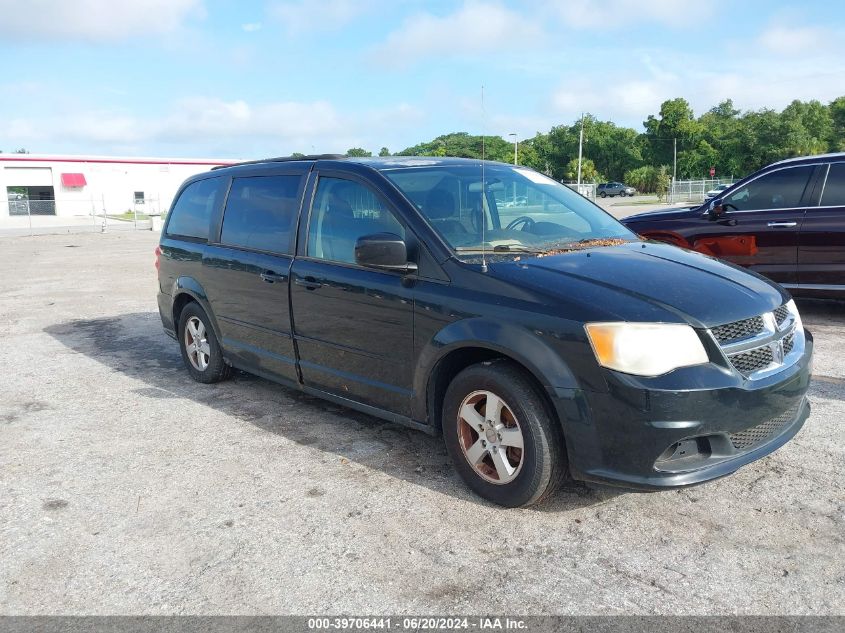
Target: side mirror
383	250
715	209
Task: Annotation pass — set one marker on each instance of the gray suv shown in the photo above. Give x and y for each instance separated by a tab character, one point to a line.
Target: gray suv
615	189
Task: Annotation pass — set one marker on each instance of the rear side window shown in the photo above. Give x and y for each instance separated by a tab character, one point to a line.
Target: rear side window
781	189
192	212
261	213
834	189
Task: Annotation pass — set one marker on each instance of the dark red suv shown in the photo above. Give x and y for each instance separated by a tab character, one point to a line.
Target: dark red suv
786	221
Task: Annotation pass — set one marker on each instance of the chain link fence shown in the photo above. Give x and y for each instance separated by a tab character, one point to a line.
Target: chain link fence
80	214
586	189
695	190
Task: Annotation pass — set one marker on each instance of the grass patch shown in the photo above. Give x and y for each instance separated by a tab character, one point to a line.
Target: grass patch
127	216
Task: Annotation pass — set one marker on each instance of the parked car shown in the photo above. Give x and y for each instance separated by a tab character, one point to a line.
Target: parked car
786	221
714	192
554	343
614	189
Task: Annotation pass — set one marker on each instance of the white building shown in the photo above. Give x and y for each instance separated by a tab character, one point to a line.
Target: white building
86	185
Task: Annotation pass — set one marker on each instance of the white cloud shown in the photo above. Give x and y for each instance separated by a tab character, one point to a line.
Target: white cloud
625	101
251	27
302	16
789	40
94	20
625	14
212	126
476	27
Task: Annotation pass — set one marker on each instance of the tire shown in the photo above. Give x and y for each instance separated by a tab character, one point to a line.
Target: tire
500	471
603	195
204	362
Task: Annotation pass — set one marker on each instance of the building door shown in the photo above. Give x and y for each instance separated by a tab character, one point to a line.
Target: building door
30	190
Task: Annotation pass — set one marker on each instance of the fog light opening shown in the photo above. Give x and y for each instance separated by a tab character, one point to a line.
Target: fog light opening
684	452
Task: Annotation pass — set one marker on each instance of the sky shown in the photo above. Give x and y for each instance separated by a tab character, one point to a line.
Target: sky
252	79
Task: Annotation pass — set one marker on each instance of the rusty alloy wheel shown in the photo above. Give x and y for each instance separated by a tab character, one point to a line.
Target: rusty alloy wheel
490	437
196	344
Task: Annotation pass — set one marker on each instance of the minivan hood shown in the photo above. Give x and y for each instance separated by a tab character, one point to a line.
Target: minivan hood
642	281
670	212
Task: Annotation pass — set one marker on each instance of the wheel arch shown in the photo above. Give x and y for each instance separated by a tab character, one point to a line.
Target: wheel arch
473	341
185	291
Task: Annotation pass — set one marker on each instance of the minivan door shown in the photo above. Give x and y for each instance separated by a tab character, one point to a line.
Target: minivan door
353	325
249	272
760	223
821	246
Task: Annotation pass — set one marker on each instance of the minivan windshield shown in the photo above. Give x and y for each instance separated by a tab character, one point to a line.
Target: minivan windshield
504	208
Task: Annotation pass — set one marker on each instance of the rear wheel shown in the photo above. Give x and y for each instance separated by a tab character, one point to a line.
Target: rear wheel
603	194
501	437
201	352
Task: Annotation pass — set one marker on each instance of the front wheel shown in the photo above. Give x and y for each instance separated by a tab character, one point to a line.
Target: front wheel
501	436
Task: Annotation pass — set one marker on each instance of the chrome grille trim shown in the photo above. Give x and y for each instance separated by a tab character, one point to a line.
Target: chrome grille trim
757	352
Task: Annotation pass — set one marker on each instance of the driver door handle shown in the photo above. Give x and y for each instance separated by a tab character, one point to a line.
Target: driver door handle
783	225
270	277
309	283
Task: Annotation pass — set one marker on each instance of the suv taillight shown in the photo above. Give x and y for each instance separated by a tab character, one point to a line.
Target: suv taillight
158	256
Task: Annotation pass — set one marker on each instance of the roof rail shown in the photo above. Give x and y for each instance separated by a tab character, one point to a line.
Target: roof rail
284	159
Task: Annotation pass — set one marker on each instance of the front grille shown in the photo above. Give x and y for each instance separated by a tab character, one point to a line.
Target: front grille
758	434
788	343
780	314
738	330
752	360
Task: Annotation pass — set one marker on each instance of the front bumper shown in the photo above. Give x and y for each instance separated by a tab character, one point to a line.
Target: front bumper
655	434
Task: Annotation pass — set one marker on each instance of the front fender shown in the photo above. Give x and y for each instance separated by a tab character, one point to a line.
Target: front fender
518	343
193	288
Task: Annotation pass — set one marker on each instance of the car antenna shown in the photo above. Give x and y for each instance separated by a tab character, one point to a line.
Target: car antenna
483	190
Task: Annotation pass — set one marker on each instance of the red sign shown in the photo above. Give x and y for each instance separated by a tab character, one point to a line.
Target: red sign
712	171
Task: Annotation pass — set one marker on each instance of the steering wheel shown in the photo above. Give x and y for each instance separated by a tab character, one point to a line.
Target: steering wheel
526	222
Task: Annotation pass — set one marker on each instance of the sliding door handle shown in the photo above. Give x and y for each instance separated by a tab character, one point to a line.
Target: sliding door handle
782	225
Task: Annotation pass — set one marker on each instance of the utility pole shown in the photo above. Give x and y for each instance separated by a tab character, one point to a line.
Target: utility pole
580	151
675	160
513	134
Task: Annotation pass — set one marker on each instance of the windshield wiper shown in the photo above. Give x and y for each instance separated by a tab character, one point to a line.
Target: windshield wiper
516	248
500	248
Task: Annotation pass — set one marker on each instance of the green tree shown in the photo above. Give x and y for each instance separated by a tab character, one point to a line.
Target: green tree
463	145
676	123
837	115
643	179
358	152
384	152
663	180
589	173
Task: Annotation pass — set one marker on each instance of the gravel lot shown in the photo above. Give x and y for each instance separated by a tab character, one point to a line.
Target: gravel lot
127	488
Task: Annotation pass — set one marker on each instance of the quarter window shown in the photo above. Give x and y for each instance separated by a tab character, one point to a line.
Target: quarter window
834	189
344	211
781	189
191	215
261	213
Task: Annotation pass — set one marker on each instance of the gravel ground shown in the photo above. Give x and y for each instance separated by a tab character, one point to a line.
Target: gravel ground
126	488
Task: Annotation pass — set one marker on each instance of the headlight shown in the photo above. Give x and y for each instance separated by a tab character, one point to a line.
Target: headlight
645	349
